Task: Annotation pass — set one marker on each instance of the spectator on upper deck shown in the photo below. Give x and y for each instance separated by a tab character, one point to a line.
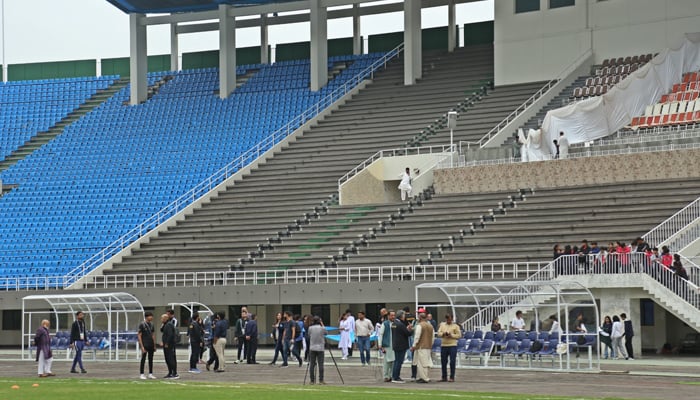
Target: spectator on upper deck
563	146
640	246
666	258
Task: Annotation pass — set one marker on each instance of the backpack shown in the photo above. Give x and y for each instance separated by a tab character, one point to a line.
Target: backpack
535	346
581	340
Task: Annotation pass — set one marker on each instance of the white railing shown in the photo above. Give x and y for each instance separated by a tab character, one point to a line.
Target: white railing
527	103
226	172
688	290
515	113
404	151
444	272
679	242
634	263
642	138
674	224
591	153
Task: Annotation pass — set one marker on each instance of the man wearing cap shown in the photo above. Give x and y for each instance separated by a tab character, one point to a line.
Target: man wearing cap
422	346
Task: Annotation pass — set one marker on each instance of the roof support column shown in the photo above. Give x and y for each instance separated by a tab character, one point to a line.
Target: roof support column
451	26
412	66
227	52
138	59
356	30
319	45
174	48
264	40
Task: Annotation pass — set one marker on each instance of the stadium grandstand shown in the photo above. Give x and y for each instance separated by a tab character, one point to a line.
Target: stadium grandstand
247	176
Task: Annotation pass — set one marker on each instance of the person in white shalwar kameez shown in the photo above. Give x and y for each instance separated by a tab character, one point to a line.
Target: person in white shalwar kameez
563	146
423	337
344	343
405	185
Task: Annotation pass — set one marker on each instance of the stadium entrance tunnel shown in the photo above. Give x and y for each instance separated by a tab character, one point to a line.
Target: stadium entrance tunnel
108	320
570	343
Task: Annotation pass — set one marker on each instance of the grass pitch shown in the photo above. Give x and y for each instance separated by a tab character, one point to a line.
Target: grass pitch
89	389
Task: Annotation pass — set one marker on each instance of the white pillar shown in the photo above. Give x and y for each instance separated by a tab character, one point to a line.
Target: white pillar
412	41
264	40
319	45
227	52
356	30
138	59
451	26
174	48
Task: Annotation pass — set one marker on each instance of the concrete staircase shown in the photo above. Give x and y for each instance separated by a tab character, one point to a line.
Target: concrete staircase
294	189
44	137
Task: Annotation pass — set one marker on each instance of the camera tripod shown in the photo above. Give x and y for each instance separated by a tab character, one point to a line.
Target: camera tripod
326	346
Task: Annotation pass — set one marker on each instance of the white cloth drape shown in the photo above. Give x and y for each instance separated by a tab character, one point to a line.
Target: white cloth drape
600	116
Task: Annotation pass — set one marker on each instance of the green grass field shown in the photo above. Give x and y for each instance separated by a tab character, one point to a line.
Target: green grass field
89	389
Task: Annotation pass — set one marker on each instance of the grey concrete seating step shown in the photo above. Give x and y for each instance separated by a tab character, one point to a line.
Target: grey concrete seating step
547	217
309	184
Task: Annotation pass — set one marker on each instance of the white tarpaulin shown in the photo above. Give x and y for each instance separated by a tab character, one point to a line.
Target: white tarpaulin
600	116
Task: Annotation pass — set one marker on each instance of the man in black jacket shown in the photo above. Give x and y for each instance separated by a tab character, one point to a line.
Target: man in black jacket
168	343
194	331
251	338
77	341
400	332
629	334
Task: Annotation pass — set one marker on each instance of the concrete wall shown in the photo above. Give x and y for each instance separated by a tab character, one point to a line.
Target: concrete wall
557	173
537	45
378	183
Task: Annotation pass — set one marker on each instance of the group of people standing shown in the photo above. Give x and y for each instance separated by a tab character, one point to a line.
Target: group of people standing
401	336
612	334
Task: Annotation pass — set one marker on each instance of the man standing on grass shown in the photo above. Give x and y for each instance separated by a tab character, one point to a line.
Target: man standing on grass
219	342
251	339
240	336
168	343
317	348
147	342
422	346
194	331
385	346
77	341
400	332
363	330
44	356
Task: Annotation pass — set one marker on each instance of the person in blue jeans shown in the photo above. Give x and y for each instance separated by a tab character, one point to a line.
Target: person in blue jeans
77	341
400	332
363	330
448	333
288	330
298	335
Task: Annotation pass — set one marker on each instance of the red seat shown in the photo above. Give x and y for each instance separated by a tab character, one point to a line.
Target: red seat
665	97
636	121
673	120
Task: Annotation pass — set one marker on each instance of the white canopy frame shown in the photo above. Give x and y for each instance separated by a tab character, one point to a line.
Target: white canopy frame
204	312
477	303
121	310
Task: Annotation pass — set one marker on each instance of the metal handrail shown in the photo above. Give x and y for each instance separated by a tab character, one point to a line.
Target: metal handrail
600	263
526	104
519	110
591	153
671	134
674	224
224	173
403	151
